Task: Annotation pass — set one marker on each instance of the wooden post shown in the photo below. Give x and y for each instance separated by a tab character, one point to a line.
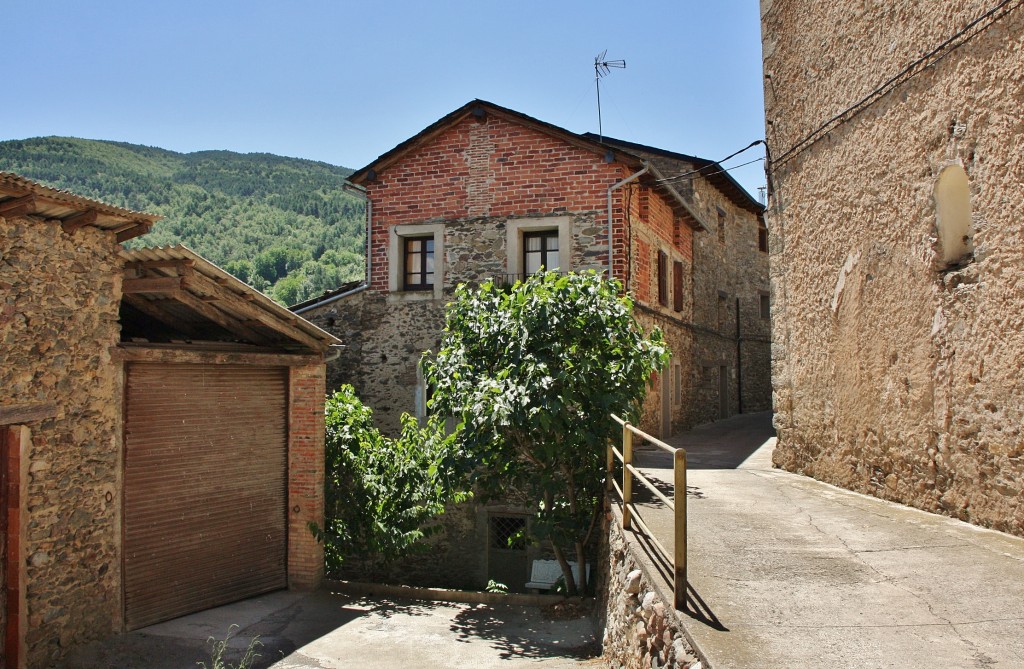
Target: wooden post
679	471
627	476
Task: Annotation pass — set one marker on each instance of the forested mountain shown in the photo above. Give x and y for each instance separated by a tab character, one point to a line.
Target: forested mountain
284	225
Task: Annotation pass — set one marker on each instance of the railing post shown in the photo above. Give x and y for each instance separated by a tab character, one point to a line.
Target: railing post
679	470
627	476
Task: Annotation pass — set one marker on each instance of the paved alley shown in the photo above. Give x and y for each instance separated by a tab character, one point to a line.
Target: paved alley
790	572
328	630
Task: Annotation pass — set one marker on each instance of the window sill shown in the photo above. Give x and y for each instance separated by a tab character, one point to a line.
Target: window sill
413	296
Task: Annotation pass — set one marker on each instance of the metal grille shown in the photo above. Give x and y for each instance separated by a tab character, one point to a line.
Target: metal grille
507	533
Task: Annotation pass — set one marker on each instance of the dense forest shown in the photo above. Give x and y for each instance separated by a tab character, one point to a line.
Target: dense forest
283	225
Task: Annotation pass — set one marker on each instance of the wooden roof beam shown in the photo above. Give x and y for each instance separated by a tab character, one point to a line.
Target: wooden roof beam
140	228
72	224
154	311
163	284
18	206
219	317
160	264
252	311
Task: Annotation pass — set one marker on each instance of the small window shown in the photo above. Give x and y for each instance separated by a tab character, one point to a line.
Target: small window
762	237
721	225
662	279
540	249
508	533
677	286
418	263
766	306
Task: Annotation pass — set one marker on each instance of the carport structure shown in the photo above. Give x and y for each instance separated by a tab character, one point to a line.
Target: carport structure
161	429
223	400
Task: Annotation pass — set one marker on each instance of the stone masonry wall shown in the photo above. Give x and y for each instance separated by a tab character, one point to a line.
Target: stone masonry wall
894	373
642	630
58	324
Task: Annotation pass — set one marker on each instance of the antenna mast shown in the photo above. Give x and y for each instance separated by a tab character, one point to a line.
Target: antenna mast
601	69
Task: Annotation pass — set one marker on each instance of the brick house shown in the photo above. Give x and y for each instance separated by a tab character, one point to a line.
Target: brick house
896	202
489	193
161	430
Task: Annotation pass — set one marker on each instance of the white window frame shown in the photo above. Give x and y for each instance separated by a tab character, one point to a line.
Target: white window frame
397	234
515	229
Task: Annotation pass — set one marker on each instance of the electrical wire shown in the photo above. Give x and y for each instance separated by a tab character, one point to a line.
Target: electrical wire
907	73
700	172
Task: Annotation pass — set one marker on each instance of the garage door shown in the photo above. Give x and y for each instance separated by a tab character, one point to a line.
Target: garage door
205	487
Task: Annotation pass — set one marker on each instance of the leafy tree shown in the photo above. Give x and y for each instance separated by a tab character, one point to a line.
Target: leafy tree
532	373
382	495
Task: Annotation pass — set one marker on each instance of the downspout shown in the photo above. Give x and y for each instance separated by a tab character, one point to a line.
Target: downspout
360	193
611	189
739	359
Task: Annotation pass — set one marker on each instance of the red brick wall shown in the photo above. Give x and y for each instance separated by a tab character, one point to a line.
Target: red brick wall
305	475
492	168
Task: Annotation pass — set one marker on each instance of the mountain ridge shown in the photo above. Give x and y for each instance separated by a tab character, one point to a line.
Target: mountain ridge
284	225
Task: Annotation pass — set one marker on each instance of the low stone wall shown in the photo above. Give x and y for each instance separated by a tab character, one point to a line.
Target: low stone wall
642	630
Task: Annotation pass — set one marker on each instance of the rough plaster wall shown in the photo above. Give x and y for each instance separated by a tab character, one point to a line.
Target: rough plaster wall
58	324
892	376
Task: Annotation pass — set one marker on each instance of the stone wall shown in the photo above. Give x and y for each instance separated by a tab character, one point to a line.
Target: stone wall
897	373
58	325
642	630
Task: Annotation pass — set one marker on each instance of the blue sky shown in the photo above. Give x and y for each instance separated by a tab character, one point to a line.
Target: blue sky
343	82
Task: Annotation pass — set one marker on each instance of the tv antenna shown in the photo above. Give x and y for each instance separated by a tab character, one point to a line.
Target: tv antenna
602	67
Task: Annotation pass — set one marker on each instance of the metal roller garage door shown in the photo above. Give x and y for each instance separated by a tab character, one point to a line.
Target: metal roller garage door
205	487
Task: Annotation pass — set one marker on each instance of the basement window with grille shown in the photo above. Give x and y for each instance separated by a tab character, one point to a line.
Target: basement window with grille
508	533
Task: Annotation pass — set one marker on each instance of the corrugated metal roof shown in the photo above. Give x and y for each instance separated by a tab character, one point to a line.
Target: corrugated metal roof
220	290
59	204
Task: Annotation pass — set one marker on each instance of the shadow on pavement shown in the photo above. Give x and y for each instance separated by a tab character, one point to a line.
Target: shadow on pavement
696	607
724	444
536	639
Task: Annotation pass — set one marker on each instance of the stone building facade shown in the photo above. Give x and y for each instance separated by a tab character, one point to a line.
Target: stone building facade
64	282
896	200
485	192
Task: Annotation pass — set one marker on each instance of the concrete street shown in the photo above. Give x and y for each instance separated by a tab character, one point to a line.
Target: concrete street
329	630
795	573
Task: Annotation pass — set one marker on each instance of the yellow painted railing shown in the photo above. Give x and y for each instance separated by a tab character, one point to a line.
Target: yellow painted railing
630	513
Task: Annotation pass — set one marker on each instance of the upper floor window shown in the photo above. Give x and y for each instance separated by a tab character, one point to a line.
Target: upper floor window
677	285
762	236
540	249
662	279
721	225
419	263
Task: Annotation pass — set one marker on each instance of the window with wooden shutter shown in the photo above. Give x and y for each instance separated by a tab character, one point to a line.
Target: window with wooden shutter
677	286
662	279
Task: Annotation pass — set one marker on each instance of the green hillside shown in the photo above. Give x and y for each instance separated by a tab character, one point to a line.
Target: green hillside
283	225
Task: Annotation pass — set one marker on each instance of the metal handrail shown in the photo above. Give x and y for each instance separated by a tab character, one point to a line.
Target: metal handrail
630	512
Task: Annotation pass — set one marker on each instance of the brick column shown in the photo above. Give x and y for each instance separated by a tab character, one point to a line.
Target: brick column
307	386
